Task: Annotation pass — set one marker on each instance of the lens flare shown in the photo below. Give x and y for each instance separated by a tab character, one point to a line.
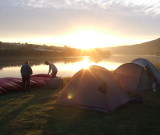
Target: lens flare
70	96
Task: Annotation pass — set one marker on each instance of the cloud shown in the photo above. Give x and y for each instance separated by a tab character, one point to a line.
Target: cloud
139	6
55	17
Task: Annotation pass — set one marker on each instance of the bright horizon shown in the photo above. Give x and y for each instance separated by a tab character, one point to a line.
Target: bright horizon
80	23
82	39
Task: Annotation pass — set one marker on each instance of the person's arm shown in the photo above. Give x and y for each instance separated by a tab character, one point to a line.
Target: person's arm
21	70
49	69
31	72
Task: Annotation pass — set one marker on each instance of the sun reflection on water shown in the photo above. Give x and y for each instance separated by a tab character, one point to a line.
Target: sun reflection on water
64	69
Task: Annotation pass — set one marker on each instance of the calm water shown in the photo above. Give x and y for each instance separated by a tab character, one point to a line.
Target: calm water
67	66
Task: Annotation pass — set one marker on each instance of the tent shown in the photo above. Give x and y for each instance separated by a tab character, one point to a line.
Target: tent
133	77
150	69
94	89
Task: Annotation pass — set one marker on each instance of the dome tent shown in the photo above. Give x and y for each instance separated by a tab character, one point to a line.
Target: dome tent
94	89
133	77
150	69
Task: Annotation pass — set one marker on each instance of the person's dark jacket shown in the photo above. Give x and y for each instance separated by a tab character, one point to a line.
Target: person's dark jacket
26	70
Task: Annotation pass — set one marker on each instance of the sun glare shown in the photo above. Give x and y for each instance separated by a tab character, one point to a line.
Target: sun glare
83	39
86	39
86	63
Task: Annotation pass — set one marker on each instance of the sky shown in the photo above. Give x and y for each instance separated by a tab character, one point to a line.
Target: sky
79	23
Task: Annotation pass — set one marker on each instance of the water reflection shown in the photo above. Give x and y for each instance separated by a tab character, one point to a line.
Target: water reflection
10	62
66	66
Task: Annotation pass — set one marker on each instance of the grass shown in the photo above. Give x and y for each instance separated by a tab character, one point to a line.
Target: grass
35	113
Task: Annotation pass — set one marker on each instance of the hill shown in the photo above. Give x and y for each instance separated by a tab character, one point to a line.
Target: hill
146	48
33	50
20	49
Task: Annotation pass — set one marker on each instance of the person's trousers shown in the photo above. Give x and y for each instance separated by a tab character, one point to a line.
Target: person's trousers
26	83
54	74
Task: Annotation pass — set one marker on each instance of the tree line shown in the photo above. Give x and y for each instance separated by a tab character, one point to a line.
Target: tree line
32	50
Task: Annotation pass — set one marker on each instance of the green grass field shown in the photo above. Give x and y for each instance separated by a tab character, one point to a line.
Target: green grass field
35	113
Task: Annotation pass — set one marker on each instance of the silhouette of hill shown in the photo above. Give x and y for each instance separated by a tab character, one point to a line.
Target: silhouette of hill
146	48
33	50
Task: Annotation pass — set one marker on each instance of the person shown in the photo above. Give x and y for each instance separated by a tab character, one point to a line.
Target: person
52	68
26	72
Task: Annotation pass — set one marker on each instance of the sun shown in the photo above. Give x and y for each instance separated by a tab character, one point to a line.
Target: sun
87	39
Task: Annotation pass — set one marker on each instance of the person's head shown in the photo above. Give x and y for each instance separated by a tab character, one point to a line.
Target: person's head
46	62
26	62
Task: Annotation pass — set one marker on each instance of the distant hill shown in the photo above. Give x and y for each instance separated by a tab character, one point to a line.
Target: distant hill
146	48
33	50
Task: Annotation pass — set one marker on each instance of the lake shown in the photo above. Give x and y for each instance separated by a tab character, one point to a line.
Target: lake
10	67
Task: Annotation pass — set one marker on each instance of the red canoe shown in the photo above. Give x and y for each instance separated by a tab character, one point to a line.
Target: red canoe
11	84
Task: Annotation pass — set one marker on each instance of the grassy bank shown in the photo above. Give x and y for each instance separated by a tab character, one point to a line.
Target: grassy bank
35	113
